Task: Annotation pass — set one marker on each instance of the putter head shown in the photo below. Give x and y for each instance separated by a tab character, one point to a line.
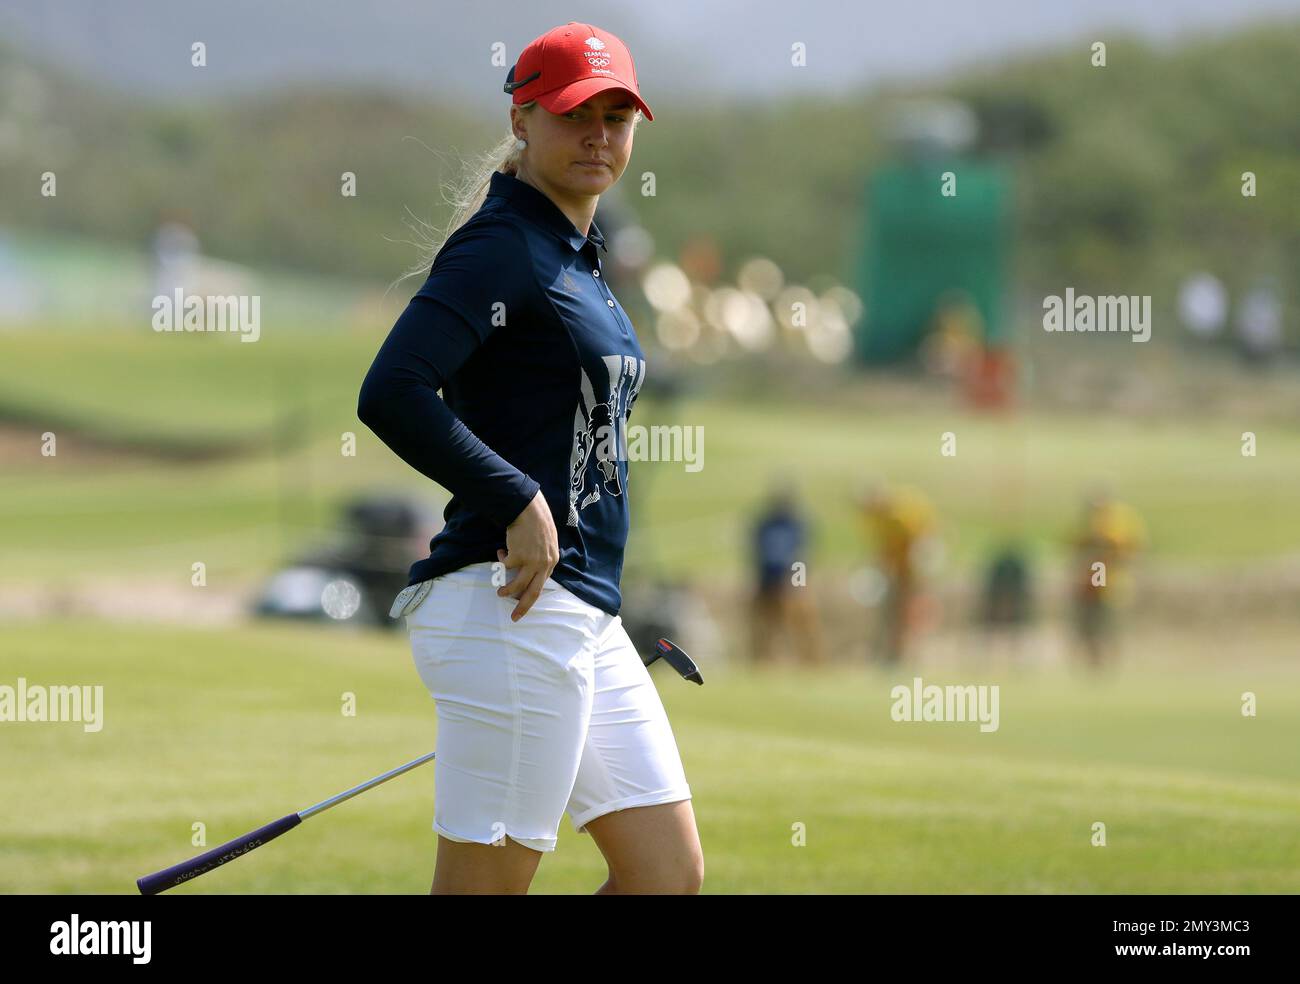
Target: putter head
677	659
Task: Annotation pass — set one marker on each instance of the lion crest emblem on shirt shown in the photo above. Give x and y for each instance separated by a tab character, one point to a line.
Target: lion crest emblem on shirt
600	432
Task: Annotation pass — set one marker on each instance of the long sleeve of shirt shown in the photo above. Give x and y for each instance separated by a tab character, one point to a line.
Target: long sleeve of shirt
441	328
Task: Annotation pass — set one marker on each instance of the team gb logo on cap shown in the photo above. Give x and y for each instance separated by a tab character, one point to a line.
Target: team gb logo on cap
595	58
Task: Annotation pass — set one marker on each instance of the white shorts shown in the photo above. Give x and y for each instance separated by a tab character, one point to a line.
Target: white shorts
554	713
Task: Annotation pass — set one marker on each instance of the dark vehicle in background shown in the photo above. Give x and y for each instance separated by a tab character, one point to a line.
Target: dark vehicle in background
355	577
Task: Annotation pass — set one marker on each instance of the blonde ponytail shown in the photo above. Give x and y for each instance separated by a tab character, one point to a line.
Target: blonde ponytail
468	194
465	198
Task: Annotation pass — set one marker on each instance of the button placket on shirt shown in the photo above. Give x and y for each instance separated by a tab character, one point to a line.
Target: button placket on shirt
609	302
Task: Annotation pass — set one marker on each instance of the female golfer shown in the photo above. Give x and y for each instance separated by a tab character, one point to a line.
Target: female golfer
543	704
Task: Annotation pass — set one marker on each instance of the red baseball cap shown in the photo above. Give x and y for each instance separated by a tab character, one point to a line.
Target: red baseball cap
568	65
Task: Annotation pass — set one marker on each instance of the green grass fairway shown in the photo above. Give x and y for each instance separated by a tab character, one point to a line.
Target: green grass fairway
238	727
1206	505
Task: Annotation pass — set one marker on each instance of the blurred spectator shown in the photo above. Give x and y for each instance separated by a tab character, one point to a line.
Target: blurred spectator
1203	305
991	381
956	348
1110	533
955	338
1259	324
1007	604
901	523
783	611
176	257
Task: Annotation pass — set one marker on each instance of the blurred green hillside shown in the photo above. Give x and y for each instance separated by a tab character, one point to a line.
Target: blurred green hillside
1127	171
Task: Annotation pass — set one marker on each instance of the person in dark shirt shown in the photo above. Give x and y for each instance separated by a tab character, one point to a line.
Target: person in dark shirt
783	612
544	706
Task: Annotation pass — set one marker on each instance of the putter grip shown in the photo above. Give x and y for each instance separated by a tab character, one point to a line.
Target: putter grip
160	881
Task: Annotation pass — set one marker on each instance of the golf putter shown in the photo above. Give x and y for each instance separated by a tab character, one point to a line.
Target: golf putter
675	657
178	874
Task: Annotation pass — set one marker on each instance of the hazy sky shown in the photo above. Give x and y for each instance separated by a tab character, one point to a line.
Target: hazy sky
684	49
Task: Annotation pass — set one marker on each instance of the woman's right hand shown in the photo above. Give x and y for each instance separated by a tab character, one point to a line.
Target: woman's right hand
532	546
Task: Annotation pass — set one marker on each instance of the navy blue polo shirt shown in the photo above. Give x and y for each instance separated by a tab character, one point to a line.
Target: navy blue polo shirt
538	366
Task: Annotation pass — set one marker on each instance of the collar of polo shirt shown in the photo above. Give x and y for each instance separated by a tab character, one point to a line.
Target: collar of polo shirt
537	206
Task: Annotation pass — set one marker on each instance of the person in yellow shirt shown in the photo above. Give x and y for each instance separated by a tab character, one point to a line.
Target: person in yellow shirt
1108	537
901	523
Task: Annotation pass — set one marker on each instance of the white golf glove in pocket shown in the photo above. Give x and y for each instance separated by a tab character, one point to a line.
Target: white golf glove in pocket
409	598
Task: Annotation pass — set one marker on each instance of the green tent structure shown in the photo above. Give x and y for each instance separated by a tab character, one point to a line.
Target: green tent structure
922	244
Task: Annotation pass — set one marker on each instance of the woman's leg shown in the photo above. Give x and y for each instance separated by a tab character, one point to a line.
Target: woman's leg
650	850
631	793
505	868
